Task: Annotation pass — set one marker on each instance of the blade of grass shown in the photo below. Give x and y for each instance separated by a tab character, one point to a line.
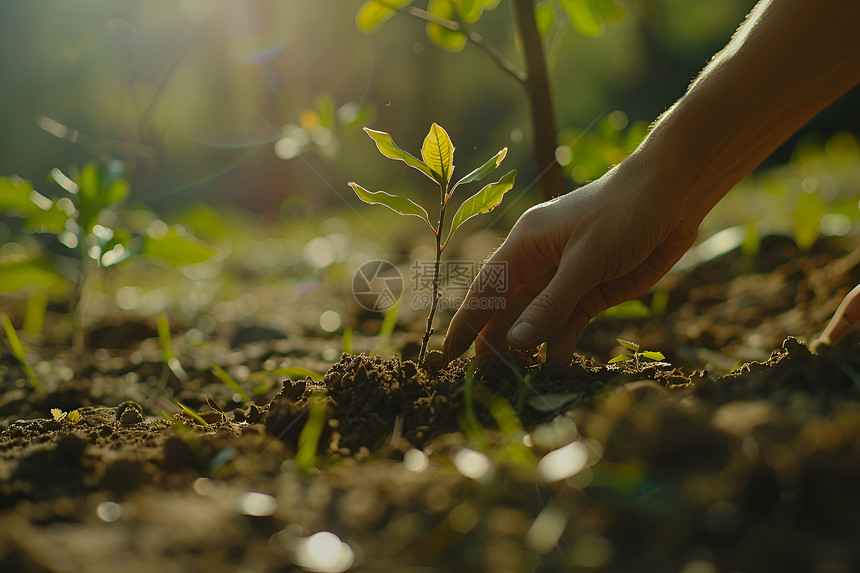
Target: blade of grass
230	382
347	340
18	352
386	329
192	413
309	438
291	372
164	337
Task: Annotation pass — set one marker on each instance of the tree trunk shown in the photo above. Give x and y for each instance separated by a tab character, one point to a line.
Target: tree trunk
544	130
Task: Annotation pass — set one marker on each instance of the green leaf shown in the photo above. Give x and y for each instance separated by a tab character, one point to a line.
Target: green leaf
389	149
544	16
652	355
52	220
451	40
19	274
400	205
88	182
582	17
588	17
118	191
628	309
99	186
608	10
471	10
438	153
176	249
619	358
374	13
631	346
15	194
483	201
483	170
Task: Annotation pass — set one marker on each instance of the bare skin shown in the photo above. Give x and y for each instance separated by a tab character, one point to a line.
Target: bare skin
611	240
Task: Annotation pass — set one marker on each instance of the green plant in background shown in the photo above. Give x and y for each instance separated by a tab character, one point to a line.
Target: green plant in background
451	25
19	352
437	163
84	223
637	354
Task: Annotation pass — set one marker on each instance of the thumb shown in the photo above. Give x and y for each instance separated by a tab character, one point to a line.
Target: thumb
545	314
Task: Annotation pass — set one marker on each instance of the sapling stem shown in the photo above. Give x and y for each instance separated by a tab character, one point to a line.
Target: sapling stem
437	294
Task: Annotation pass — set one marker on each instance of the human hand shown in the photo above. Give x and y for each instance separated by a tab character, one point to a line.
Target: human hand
567	260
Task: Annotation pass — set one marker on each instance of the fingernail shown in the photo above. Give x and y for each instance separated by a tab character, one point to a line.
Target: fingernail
522	333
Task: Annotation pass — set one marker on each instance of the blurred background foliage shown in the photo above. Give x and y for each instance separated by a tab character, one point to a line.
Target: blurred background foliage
195	94
257	106
255	103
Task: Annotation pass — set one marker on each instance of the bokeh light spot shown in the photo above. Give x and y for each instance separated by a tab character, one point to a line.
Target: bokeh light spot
546	529
257	504
463	518
835	224
324	551
329	321
617	120
415	460
319	252
109	511
564	462
470	463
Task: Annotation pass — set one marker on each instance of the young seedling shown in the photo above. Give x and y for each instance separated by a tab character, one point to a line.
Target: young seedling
72	417
437	163
87	222
637	353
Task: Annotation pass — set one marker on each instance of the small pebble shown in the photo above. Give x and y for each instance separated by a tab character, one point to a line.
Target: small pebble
130	417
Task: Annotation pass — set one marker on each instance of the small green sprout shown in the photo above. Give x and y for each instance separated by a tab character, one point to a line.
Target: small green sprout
637	354
72	417
437	163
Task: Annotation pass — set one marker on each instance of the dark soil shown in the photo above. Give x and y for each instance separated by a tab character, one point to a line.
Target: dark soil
680	468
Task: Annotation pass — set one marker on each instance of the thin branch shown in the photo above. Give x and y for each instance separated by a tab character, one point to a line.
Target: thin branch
472	36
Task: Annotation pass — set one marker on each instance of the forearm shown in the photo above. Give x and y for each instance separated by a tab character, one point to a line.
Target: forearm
789	60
